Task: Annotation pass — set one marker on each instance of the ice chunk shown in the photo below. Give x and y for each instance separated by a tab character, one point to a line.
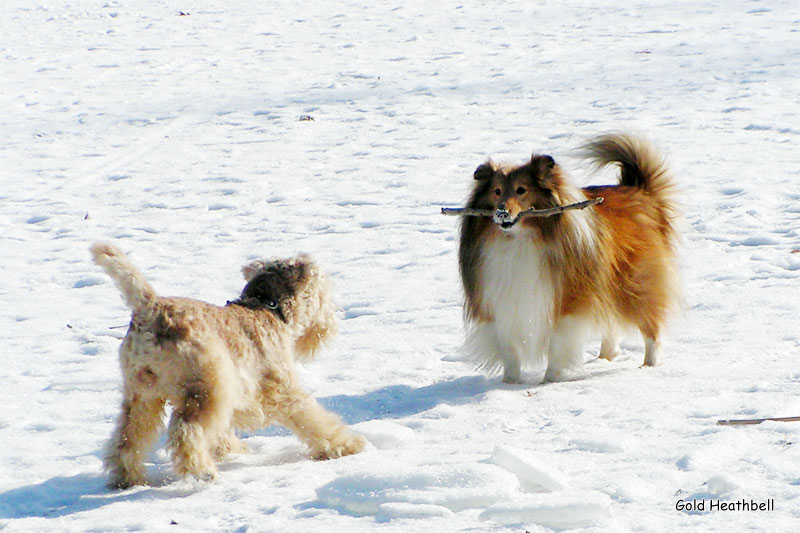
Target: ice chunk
533	472
412	510
557	510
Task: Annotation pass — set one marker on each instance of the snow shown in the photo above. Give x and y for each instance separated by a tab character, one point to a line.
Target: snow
244	130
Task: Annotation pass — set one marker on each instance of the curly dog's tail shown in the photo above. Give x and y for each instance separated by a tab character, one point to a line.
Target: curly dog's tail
135	289
641	165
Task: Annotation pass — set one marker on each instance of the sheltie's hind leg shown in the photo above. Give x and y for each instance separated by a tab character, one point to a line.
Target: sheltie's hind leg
652	352
609	348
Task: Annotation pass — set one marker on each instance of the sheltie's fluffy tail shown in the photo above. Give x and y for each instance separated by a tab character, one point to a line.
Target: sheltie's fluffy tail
641	164
135	289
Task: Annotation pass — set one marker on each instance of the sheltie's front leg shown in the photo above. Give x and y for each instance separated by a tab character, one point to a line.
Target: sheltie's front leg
565	358
484	347
512	367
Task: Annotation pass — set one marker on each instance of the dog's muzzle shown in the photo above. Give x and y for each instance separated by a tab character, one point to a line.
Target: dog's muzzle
504	219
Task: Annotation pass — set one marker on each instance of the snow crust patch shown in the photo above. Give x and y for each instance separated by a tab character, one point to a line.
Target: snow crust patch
453	487
385	435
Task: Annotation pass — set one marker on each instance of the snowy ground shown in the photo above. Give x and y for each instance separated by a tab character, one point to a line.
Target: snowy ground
180	138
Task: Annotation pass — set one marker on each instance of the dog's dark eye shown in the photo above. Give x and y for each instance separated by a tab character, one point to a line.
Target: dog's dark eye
272	304
497	192
521	190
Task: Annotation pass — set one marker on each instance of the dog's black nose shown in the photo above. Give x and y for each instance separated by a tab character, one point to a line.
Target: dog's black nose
501	216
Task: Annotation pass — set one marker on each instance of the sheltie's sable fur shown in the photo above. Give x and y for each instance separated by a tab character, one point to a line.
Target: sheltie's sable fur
542	285
220	368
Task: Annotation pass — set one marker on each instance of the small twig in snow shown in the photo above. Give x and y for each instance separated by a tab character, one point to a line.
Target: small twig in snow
753	421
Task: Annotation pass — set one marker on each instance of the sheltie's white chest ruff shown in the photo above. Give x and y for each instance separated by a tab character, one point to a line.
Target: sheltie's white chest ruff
518	292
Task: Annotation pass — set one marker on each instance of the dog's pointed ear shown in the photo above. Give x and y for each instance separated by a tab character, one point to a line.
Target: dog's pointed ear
485	171
250	270
543	168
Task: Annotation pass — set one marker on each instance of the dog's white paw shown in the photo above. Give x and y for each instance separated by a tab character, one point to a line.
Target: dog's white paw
512	371
556	375
608	356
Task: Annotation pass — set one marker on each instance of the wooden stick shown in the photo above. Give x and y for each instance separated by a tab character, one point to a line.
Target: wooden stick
753	421
470	212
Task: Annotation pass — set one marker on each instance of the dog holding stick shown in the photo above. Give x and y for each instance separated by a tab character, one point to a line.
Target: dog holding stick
537	286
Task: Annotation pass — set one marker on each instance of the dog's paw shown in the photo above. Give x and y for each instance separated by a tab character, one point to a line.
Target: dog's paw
355	445
557	375
608	356
118	484
207	477
124	482
229	445
239	446
346	444
199	465
123	474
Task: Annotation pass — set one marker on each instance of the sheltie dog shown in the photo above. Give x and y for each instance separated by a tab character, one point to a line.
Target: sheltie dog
539	287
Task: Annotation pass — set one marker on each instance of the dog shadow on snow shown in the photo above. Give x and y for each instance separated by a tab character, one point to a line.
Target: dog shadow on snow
63	496
398	401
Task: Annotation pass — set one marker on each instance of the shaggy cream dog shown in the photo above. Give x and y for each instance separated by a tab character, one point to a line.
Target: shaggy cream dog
220	368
